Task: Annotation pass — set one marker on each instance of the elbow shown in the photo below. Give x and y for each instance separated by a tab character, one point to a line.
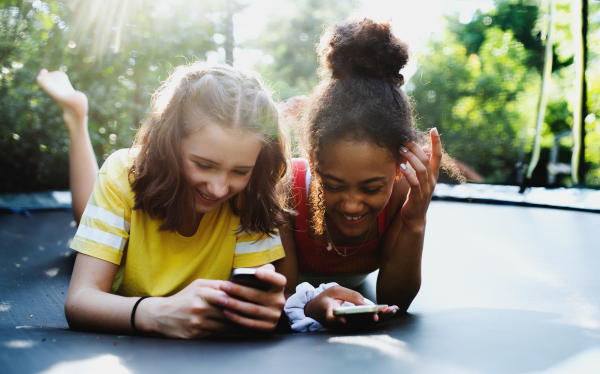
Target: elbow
407	299
402	297
71	312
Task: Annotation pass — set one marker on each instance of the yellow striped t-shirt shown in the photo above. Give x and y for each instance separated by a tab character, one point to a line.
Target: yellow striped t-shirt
162	263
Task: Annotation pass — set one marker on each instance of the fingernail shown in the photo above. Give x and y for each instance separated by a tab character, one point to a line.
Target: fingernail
403	167
391	311
225	286
222	300
435	131
227	313
403	149
260	273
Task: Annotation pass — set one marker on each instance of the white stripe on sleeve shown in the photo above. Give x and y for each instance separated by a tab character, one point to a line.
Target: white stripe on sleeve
100	236
104	215
257	246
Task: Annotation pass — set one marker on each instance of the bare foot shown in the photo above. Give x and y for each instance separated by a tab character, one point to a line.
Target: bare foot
73	103
293	106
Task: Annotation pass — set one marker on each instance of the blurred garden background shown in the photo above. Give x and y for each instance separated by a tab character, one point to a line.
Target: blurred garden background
476	73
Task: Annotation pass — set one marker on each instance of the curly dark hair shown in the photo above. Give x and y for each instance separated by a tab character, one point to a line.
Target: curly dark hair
359	97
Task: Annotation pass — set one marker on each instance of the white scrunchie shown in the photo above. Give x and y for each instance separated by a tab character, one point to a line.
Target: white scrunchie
294	306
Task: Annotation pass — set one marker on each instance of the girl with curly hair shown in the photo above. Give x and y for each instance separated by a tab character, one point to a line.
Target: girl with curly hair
362	191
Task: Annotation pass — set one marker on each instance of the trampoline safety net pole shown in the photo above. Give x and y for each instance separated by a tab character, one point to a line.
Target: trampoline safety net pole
546	76
576	11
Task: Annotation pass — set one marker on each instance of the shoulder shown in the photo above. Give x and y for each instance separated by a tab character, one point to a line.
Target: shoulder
121	159
256	249
114	174
300	164
118	164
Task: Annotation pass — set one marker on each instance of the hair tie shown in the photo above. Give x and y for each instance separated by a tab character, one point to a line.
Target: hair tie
401	77
133	312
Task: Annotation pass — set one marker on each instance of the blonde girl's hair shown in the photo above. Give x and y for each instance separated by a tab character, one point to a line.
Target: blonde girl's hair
195	95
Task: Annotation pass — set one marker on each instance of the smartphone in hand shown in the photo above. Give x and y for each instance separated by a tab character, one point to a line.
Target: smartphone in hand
247	277
359	316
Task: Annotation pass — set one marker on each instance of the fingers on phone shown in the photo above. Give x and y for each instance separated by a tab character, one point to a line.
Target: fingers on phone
332	319
346	294
389	311
268	267
208	295
200	326
277	280
247	293
255	324
251	309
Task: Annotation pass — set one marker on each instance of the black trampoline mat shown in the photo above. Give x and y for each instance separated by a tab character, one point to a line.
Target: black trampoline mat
505	289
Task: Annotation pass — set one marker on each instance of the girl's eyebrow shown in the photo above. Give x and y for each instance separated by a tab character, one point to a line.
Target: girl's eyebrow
366	181
209	161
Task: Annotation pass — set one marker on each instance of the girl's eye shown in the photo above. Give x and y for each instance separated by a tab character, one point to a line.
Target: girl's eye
332	188
203	166
240	172
372	191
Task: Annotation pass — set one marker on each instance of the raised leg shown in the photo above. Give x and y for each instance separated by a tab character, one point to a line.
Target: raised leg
83	167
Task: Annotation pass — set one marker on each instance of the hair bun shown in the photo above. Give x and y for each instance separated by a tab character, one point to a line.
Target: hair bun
363	48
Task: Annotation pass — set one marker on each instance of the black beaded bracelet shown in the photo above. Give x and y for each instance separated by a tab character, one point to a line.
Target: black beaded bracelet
133	312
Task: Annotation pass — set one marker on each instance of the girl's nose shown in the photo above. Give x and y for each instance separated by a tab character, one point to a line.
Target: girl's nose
218	186
352	205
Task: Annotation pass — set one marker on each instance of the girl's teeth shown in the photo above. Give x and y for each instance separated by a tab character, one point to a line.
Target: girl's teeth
353	218
206	197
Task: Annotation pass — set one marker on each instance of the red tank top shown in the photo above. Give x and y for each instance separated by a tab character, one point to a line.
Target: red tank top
313	257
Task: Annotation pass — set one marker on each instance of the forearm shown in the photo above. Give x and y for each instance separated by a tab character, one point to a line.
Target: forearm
90	309
399	278
90	306
288	266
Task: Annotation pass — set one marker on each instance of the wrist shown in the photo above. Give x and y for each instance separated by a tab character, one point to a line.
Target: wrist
145	315
414	225
308	310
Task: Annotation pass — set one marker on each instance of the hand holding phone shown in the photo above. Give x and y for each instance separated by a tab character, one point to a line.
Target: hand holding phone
359	316
247	277
327	309
255	297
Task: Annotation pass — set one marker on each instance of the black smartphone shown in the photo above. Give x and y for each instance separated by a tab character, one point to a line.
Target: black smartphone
247	277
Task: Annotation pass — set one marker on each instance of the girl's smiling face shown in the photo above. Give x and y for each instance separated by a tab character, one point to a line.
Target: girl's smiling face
357	178
218	163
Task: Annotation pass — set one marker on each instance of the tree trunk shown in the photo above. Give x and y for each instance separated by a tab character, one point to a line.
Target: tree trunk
584	97
577	107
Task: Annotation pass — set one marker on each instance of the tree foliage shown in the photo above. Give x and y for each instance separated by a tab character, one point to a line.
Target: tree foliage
117	62
479	84
289	40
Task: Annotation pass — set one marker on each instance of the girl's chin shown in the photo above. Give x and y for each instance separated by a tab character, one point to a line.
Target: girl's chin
200	208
